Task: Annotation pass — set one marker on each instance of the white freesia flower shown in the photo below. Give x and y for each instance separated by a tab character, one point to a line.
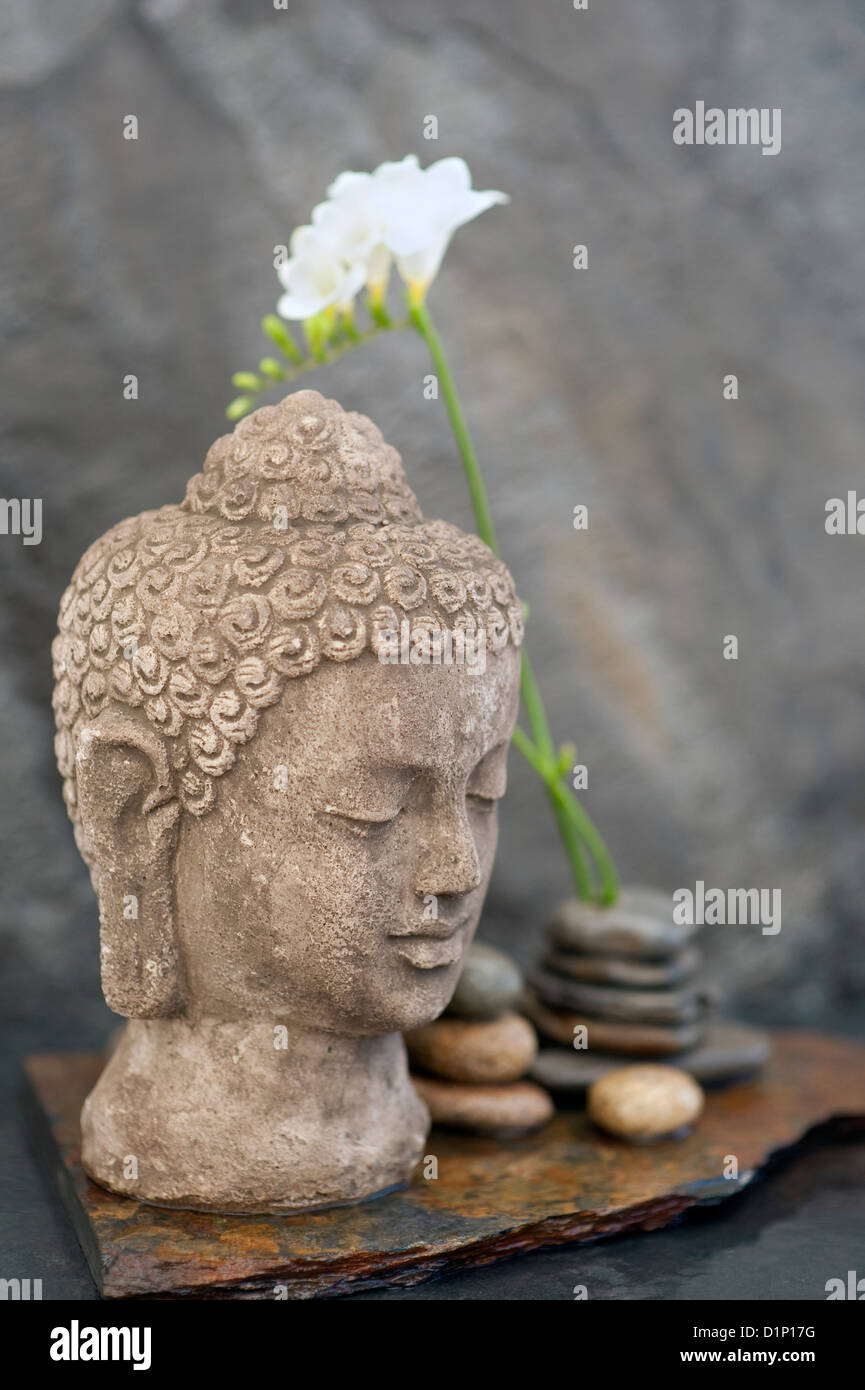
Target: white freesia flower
422	209
404	210
315	278
399	211
304	239
352	225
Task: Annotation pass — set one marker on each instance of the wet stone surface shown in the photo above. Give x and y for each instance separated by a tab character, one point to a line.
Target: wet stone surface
565	1183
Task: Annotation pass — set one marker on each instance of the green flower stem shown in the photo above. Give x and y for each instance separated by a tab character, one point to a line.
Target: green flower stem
242	405
535	709
578	833
420	317
569	836
275	329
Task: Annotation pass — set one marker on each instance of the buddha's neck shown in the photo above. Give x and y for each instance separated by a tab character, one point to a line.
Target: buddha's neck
284	1056
252	1116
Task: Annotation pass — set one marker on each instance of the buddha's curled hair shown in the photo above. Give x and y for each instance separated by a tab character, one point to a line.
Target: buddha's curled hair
299	542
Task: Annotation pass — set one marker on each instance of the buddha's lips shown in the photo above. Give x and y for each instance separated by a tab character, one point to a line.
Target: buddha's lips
430	952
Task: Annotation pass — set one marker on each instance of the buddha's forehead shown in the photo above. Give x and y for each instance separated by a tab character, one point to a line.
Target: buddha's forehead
364	714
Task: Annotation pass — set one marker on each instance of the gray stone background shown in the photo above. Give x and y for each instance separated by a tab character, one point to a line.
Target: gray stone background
600	386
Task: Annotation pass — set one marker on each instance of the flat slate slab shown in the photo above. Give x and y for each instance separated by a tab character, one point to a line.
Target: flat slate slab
728	1051
491	1199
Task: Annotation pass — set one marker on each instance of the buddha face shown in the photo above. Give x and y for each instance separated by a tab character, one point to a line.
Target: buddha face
340	878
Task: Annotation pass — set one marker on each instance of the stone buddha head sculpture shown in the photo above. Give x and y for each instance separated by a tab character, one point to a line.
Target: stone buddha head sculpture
284	709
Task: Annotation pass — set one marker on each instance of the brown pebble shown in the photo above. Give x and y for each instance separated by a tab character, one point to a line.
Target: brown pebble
502	1111
494	1052
614	1004
632	974
639	925
645	1102
489	983
640	1039
729	1051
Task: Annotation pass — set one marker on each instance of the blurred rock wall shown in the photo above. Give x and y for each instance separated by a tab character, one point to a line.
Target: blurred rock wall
600	386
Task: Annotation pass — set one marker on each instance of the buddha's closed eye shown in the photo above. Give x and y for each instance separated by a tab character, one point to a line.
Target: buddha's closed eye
376	805
373	825
366	827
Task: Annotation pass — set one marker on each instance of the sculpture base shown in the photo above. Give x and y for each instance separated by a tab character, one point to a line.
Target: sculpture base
491	1198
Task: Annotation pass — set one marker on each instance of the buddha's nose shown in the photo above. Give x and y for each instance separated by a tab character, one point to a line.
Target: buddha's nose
449	864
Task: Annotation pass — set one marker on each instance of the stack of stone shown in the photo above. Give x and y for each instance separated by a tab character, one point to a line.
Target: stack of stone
469	1065
622	983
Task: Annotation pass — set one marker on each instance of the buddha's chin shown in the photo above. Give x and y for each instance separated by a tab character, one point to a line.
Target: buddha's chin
407	999
425	994
399	991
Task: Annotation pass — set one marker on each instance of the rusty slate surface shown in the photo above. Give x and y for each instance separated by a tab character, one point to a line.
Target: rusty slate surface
491	1199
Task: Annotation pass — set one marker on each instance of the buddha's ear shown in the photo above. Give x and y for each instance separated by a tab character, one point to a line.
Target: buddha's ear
130	816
